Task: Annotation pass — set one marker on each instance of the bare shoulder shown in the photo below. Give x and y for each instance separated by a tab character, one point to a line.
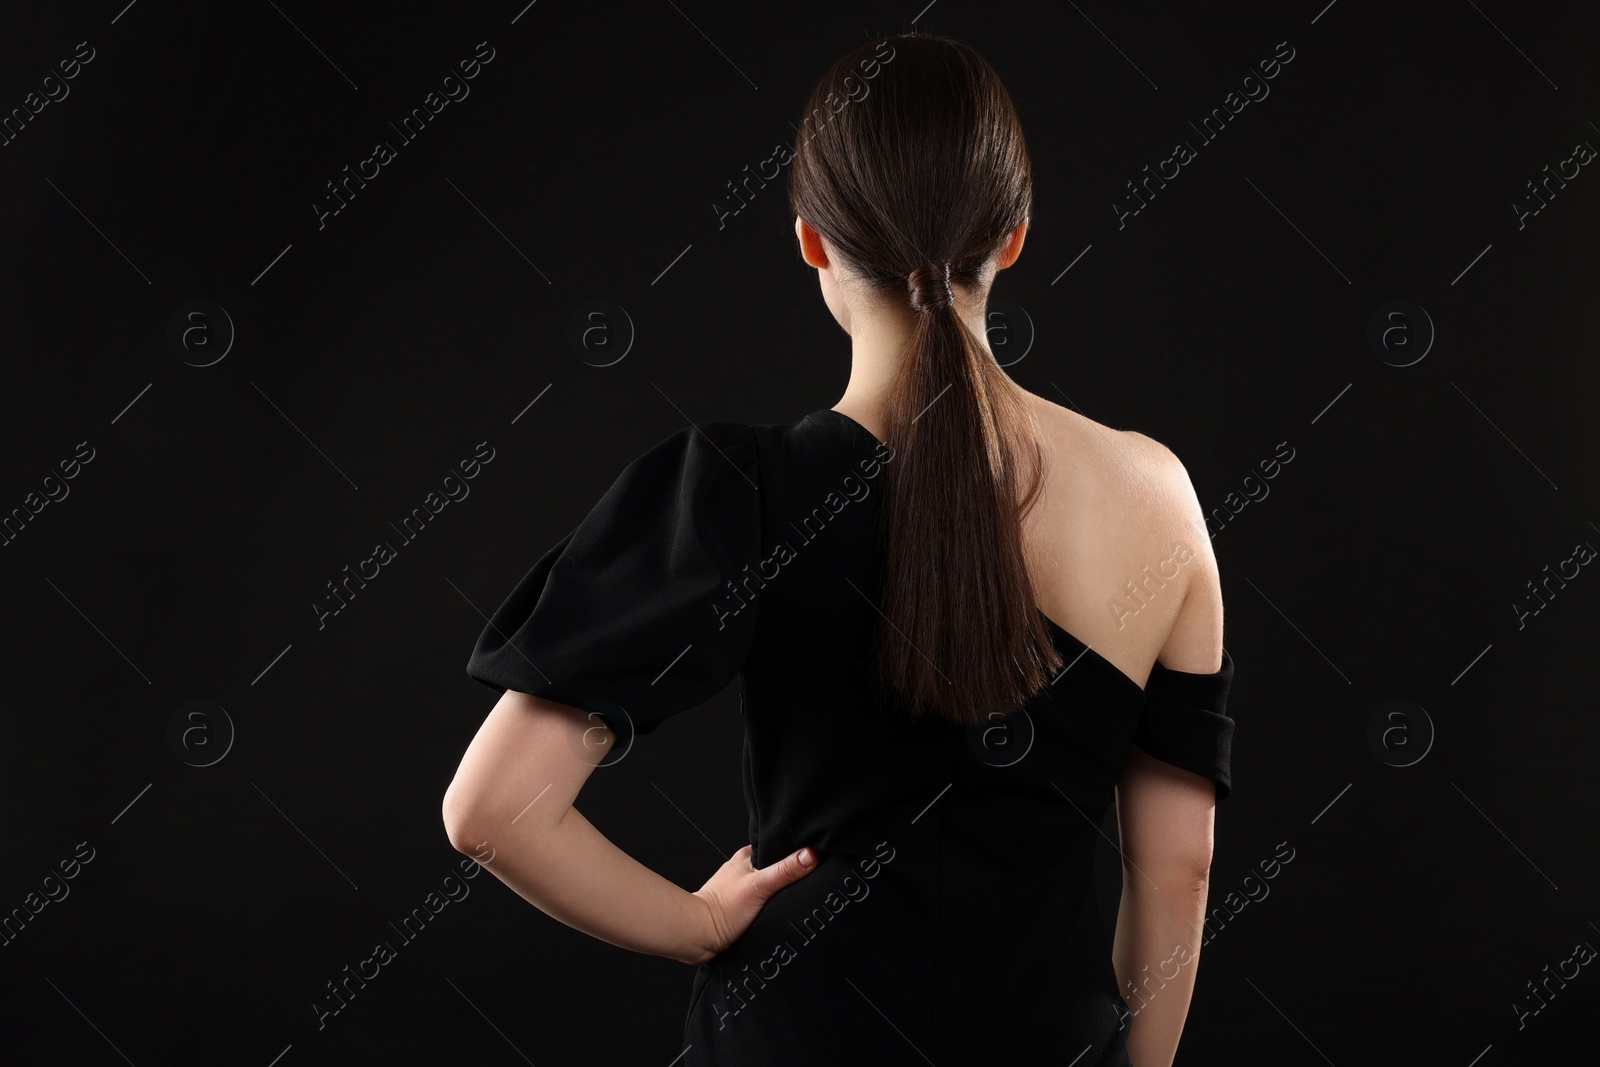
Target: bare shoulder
1176	504
1120	518
1167	472
1194	642
1126	464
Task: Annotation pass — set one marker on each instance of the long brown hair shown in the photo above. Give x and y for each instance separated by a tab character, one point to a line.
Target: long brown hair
912	164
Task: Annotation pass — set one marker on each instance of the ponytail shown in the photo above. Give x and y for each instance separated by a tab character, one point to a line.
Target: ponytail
931	157
959	634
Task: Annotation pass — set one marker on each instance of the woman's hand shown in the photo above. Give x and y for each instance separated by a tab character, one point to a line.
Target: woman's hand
735	895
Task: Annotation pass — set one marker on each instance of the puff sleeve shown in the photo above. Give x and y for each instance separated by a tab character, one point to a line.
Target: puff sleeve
631	615
1185	722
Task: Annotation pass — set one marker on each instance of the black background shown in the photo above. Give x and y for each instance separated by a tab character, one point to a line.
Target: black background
375	352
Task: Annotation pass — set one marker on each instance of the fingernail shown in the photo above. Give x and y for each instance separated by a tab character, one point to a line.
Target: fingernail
806	857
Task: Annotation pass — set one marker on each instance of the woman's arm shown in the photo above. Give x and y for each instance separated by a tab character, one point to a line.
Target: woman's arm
574	874
514	793
1165	815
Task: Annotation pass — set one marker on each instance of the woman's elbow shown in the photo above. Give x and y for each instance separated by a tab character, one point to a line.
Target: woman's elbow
1189	876
463	820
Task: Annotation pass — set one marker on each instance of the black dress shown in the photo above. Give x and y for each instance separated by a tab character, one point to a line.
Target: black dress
952	917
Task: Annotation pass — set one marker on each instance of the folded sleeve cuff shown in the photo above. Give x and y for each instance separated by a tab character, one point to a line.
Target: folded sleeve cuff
1185	722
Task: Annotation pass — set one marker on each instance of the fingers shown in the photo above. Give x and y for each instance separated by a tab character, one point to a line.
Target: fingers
788	870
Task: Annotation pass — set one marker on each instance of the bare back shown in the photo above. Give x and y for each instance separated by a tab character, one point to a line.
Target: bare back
1117	547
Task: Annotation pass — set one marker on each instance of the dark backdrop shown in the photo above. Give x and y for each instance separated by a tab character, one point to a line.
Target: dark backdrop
184	480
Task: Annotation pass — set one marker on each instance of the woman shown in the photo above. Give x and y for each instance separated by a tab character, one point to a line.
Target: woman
966	618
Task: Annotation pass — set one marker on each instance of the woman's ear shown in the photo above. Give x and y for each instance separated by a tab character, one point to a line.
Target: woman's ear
1013	248
811	249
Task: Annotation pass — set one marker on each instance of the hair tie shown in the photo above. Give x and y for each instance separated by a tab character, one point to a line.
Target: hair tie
930	288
